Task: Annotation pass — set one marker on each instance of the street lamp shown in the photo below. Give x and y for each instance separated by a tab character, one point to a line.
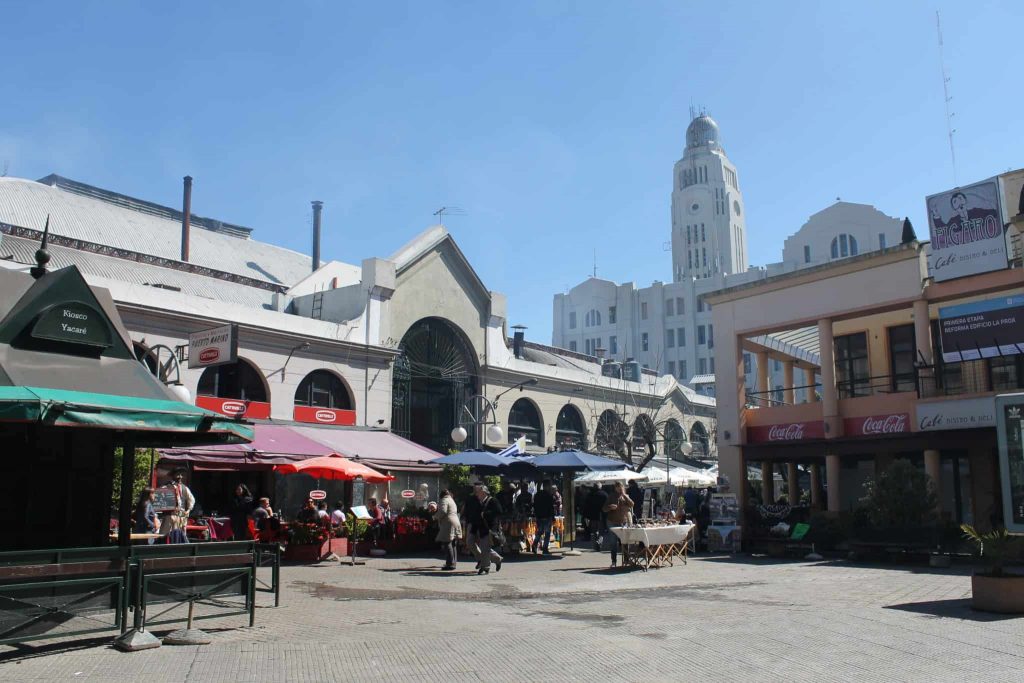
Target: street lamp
475	413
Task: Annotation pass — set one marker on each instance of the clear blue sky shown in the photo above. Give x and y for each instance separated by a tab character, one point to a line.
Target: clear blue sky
554	125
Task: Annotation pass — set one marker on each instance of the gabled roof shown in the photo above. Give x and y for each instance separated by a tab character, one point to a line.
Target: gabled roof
430	239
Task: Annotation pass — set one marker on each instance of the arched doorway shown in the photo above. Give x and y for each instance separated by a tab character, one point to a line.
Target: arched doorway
240	380
699	439
524	420
570	432
674	437
433	377
323	389
611	433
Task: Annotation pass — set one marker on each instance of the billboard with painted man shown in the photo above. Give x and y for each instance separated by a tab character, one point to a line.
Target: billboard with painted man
966	227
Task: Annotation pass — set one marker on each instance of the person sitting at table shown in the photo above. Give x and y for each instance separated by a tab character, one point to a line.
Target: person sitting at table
375	525
261	513
321	512
338	514
146	521
308	514
620	512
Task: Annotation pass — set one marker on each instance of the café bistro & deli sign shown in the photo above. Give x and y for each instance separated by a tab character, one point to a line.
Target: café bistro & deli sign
73	322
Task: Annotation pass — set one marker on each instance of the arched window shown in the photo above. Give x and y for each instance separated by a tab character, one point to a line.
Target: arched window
699	439
240	380
612	431
323	389
569	429
645	436
593	318
844	245
674	437
524	420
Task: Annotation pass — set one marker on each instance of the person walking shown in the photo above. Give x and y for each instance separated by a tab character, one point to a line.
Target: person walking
620	513
544	511
593	510
173	524
241	509
637	495
485	524
449	530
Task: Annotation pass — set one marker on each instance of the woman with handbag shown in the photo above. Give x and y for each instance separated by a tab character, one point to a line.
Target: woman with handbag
449	529
620	513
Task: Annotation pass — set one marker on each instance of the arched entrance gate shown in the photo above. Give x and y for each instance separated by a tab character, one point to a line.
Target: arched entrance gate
432	379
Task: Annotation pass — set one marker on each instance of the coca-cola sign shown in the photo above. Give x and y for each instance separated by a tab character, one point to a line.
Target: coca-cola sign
877	425
257	410
790	431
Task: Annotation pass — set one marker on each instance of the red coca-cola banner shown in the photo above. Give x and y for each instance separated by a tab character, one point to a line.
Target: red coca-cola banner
792	431
233	407
324	416
877	425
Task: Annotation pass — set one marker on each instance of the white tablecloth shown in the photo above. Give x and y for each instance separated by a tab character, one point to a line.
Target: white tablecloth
657	535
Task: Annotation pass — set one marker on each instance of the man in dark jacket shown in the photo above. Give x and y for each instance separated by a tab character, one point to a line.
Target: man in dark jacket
483	520
637	495
544	511
593	510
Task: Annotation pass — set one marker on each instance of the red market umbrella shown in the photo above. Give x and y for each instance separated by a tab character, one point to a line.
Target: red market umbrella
333	466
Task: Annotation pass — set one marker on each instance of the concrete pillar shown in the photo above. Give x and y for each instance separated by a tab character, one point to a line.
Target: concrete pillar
809	383
832	479
788	395
923	331
829	395
815	486
767	482
933	467
763	388
793	484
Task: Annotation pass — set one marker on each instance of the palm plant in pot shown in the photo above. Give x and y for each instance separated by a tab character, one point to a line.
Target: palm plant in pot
995	590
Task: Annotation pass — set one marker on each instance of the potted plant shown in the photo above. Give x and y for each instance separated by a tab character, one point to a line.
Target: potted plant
308	543
995	590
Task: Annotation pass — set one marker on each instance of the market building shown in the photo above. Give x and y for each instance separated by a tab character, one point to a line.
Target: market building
377	361
905	358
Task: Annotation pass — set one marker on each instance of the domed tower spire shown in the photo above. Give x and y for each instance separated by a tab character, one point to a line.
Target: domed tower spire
708	225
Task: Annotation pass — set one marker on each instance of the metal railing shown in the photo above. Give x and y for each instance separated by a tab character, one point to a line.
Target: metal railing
971	377
775	397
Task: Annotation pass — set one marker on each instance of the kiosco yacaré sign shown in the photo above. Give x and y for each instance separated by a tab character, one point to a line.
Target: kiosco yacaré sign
73	322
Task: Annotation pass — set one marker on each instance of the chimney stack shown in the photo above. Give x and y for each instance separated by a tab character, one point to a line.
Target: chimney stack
517	340
186	217
318	208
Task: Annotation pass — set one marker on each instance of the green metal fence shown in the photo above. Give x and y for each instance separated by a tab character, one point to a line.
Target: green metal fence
67	592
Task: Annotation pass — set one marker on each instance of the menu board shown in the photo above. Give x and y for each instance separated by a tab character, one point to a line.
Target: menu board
164	499
1010	432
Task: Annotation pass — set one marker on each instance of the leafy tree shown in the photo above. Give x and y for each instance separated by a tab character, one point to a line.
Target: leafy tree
901	497
140	478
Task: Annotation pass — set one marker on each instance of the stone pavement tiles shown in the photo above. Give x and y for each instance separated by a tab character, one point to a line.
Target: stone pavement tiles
572	618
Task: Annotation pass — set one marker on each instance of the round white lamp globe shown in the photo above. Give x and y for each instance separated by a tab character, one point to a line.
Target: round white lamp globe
494	434
459	434
180	392
686	447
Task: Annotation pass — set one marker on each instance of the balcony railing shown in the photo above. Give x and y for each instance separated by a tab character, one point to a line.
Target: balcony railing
971	377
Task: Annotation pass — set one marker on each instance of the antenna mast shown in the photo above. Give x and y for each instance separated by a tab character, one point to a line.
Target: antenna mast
947	98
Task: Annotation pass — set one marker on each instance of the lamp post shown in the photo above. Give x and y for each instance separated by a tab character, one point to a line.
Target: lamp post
479	411
357	484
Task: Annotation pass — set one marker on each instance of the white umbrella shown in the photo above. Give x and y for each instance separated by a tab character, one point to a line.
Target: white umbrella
654	475
608	476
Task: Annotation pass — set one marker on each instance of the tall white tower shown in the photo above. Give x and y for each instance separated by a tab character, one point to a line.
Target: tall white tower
708	224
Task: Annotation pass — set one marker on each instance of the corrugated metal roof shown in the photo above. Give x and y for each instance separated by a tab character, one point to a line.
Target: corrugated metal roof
702	379
112	268
801	344
26	203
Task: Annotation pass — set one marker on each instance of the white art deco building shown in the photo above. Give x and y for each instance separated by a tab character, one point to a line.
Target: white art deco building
666	327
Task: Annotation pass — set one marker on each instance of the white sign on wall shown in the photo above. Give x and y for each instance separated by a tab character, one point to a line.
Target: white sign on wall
966	227
969	413
215	346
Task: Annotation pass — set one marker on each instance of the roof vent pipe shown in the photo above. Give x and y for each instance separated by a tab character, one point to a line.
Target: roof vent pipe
518	339
318	208
186	217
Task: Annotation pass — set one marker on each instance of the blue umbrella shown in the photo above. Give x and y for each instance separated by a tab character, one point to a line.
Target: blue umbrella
574	461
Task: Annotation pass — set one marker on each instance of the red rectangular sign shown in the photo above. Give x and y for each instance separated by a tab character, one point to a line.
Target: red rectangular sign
324	416
792	431
233	407
877	425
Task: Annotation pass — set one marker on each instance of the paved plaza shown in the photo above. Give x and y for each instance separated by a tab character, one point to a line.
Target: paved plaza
572	618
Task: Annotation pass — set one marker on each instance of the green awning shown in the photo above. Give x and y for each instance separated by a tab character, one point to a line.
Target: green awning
159	420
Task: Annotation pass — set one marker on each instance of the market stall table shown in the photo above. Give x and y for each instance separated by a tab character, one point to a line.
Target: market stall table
656	546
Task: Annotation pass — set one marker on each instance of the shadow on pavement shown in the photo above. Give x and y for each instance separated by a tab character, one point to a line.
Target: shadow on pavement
838	563
952	609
